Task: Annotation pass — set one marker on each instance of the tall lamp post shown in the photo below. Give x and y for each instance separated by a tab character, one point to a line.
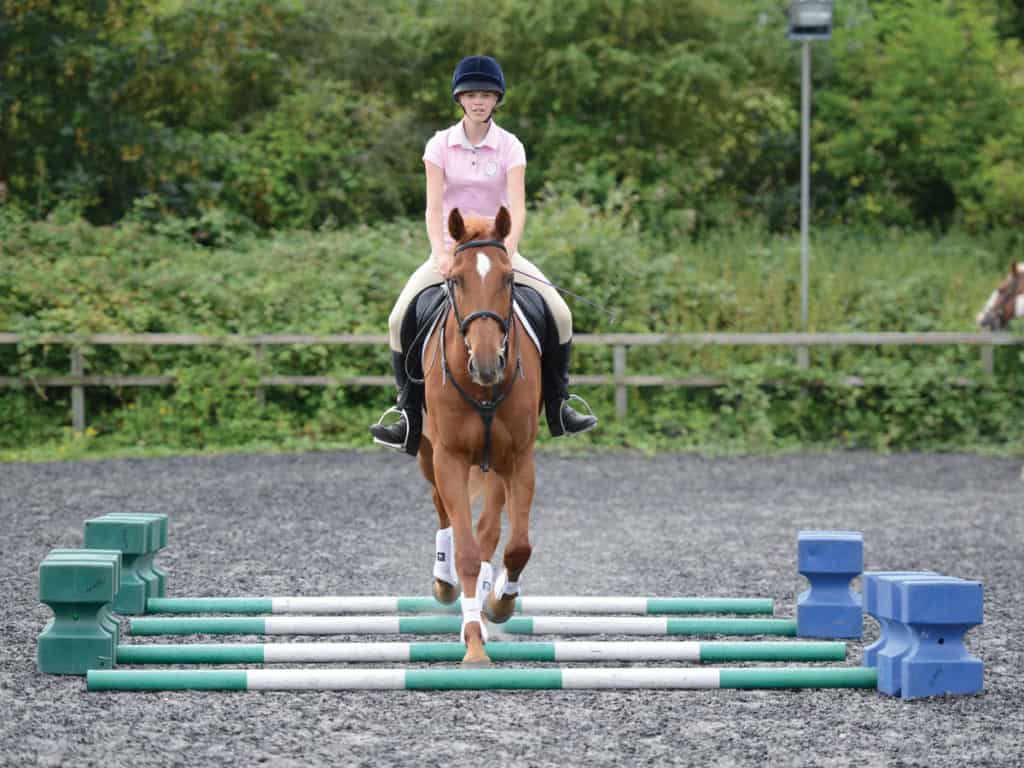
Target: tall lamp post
808	20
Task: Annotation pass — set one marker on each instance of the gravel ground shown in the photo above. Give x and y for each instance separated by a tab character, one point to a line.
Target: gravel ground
362	523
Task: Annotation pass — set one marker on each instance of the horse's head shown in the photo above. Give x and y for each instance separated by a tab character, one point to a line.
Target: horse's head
480	288
1006	301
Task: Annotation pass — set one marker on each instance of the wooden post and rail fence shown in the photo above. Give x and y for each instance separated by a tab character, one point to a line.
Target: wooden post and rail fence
620	343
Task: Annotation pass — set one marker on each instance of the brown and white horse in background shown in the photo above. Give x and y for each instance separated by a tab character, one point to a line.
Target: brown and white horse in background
1006	301
480	355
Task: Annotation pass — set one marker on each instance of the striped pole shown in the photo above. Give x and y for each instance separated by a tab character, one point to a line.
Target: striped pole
650	606
441	625
477	679
633	650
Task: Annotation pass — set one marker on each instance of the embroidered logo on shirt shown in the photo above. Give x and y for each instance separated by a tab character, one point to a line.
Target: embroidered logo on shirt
491	168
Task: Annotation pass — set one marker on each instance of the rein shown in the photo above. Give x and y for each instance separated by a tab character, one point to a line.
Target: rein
484	408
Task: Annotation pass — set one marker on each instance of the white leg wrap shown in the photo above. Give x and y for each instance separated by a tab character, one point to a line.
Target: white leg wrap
505	588
484	582
444	559
471	613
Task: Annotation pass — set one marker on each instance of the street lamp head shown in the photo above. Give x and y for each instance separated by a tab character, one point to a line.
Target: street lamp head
810	20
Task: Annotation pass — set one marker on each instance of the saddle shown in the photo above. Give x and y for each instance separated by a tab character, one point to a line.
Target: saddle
429	306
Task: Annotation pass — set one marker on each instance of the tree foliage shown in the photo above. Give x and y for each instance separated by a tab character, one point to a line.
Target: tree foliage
921	122
683	113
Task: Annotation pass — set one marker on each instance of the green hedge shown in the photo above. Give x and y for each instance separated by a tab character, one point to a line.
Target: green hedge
72	277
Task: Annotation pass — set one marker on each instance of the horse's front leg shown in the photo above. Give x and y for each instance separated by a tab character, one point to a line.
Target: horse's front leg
451	476
446	579
519	488
488	526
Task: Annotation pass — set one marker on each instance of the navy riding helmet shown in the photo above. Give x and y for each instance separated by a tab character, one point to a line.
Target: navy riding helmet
478	73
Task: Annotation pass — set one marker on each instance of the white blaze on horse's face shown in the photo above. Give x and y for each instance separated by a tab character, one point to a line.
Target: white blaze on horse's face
483	265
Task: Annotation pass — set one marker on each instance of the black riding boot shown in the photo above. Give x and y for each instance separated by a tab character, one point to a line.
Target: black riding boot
562	419
404	434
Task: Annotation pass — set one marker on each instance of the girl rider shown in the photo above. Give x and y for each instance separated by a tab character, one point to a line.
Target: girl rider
477	167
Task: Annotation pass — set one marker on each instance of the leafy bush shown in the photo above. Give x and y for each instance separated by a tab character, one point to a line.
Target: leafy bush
77	278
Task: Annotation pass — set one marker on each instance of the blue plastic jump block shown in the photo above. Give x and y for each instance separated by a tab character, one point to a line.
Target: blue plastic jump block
830	560
870	599
887	605
925	655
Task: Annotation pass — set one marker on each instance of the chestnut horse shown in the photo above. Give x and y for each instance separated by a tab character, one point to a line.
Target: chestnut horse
483	397
1006	301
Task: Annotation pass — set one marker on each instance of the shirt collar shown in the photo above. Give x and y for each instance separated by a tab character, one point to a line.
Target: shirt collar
457	137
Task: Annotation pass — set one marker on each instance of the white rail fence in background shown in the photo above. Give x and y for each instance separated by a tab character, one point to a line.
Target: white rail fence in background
620	343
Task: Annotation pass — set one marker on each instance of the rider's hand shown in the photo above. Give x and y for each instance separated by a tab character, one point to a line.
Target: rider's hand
443	263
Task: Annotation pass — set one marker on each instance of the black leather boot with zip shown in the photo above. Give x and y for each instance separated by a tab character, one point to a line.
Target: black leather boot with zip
404	434
562	418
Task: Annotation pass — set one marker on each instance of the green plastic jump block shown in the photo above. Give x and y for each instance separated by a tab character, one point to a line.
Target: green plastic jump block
146	568
77	588
161	542
137	538
106	614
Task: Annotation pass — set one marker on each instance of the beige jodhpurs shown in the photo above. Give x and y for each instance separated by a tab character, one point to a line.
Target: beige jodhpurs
426	276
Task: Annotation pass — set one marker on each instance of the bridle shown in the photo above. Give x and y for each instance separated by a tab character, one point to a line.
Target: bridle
504	323
485	408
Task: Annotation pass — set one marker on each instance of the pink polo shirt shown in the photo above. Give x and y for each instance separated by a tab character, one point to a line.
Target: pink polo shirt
475	177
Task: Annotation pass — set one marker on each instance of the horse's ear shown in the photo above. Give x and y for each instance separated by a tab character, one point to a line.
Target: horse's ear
502	223
456	226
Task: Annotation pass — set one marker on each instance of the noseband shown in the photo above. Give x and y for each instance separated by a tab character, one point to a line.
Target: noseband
485	408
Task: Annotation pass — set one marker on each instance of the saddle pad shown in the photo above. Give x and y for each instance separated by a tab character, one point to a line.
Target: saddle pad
528	306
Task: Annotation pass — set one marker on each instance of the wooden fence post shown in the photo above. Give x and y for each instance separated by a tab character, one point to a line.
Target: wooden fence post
77	391
619	370
261	394
987	359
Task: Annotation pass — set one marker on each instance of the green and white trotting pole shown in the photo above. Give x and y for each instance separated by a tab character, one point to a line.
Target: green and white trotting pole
651	606
442	625
477	679
571	651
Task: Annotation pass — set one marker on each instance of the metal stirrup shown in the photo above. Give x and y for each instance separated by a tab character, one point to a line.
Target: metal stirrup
590	412
380	421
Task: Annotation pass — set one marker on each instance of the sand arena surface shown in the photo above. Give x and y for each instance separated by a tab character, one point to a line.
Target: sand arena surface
349	523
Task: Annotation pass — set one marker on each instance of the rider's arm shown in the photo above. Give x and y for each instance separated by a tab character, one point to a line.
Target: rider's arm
516	206
435	218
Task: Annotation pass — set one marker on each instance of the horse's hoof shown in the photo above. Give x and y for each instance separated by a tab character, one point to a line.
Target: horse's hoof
499	611
477	662
444	592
